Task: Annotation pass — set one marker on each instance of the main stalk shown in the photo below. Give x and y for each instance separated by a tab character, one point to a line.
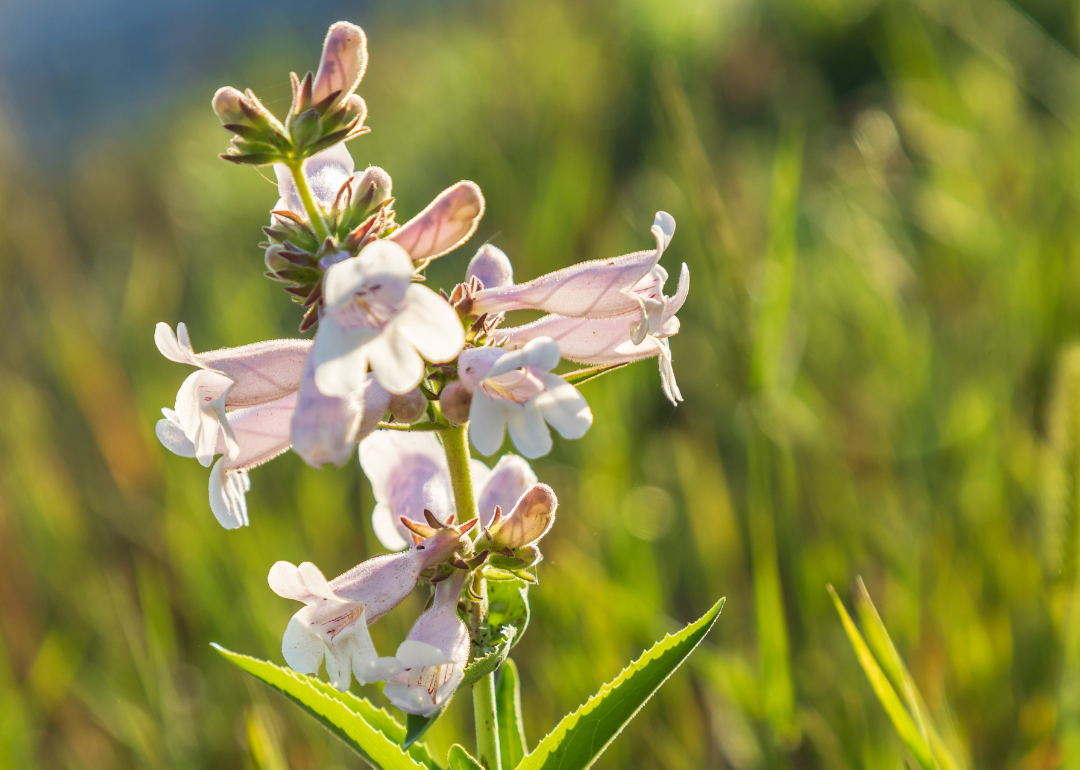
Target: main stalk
456	446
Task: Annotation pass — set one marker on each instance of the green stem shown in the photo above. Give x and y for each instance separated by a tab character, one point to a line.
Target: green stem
312	208
456	445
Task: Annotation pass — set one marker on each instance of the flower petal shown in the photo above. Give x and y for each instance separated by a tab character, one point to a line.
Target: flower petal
228	501
491	267
394	361
505	485
386	528
487	422
302	648
325	171
171	435
175	347
446	223
528	430
344	59
564	408
431	325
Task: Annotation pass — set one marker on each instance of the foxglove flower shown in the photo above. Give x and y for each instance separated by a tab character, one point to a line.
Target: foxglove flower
409	474
595	289
326	428
516	391
332	626
617	339
229	378
432	658
378	319
261	433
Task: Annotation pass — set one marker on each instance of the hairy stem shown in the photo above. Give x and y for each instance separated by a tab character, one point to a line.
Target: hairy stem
312	208
456	445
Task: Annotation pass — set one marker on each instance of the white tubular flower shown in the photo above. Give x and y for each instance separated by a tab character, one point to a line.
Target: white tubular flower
617	339
326	428
408	475
344	60
332	626
593	289
516	391
432	658
378	319
229	378
446	223
261	434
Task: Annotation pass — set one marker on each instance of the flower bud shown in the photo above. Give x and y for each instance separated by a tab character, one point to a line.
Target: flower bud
355	107
455	401
530	520
226	105
274	260
344	59
408	408
491	267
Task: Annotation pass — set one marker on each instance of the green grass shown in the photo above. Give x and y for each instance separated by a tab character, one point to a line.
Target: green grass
879	202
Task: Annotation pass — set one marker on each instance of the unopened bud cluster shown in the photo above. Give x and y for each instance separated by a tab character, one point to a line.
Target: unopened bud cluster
396	368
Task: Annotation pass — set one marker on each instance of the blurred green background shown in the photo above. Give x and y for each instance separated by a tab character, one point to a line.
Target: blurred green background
878	201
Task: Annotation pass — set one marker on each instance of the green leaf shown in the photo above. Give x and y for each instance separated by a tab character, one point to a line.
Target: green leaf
512	746
487	664
460	759
901	720
581	737
880	643
584	375
508	604
369	731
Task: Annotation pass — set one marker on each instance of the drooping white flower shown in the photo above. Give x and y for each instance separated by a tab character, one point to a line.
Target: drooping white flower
261	433
516	392
332	626
432	658
617	339
326	428
409	474
593	289
377	318
230	378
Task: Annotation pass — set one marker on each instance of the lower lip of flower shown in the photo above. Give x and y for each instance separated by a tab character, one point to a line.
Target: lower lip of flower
517	386
336	625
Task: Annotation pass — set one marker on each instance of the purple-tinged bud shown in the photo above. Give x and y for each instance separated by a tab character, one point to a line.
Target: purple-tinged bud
530	520
344	59
226	105
409	408
455	402
491	267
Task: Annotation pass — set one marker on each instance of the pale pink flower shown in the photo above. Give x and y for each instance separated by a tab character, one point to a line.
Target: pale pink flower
516	392
332	626
378	319
446	223
431	661
344	60
230	378
260	434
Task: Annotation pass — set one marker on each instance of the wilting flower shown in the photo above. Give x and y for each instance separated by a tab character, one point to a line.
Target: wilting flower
617	339
261	433
377	318
326	428
333	623
595	289
516	391
431	660
230	378
409	474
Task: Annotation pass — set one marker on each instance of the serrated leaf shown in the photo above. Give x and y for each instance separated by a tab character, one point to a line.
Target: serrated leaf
903	723
487	664
581	737
512	746
459	759
369	731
